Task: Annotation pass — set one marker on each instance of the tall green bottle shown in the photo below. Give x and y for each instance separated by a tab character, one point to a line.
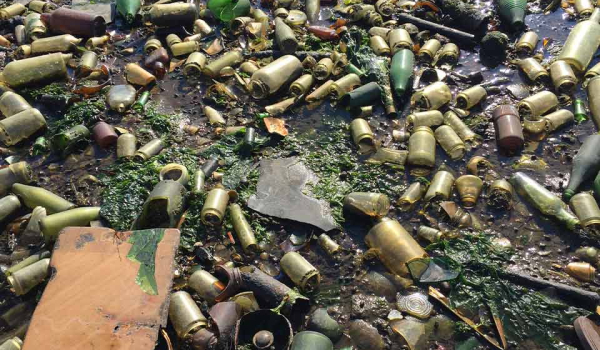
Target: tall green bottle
585	165
128	9
512	13
401	70
543	199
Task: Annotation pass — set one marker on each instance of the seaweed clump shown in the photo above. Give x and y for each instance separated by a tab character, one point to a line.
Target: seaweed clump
528	317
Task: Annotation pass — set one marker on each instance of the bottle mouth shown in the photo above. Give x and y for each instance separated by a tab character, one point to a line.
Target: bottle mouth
258	89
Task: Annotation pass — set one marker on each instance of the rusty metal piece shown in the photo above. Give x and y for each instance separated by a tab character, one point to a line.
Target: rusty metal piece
204	340
270	292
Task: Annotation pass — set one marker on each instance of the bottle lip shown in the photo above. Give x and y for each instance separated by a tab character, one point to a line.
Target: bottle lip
505	110
258	89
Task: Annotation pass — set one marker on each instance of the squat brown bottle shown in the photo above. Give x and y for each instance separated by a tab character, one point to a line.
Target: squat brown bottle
509	133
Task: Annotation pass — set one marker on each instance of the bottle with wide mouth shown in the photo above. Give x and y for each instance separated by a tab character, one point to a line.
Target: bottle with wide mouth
273	76
582	43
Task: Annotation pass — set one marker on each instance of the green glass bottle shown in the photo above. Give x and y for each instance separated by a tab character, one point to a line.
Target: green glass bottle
226	10
401	70
128	9
543	199
585	165
512	12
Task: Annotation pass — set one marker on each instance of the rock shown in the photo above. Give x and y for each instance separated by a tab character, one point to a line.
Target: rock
280	193
380	285
321	322
365	336
368	306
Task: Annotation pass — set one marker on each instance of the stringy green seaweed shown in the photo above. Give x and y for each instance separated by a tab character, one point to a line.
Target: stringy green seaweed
529	317
143	250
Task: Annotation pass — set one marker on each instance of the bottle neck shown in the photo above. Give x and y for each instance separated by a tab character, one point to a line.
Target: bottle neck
595	17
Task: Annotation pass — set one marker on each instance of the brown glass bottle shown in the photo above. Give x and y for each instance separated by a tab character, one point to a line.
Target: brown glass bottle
509	133
74	22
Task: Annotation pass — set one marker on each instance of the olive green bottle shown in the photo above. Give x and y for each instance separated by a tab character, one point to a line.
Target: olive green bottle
585	165
36	70
401	70
543	199
128	9
582	43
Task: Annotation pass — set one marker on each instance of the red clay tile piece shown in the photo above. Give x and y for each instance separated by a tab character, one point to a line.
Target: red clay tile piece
92	301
